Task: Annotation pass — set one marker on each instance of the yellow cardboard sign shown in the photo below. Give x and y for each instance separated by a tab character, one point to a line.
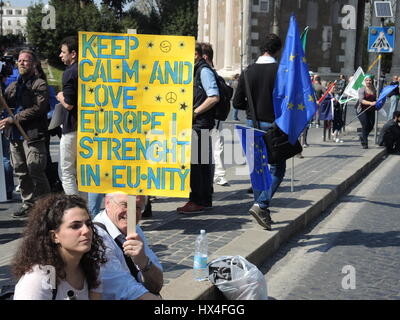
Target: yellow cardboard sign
135	113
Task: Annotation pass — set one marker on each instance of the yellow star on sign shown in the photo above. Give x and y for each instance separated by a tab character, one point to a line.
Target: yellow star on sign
292	57
310	98
301	107
290	105
304	60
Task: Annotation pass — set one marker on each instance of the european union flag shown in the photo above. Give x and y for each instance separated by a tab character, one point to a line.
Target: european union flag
293	96
256	154
382	97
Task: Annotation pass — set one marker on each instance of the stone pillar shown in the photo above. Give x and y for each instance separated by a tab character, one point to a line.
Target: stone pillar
275	24
214	29
228	35
200	21
245	36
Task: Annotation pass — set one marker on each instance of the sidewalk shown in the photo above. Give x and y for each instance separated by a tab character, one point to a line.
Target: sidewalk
326	172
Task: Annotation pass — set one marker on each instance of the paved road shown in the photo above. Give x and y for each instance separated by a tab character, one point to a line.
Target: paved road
351	252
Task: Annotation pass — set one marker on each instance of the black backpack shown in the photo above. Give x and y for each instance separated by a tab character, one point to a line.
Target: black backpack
223	106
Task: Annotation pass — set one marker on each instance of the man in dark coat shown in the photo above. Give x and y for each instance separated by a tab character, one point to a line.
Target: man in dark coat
389	136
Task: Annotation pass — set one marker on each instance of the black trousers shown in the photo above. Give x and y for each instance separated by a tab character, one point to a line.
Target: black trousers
367	120
201	175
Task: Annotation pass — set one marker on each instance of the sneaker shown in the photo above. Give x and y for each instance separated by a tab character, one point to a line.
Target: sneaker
221	181
262	216
338	140
306	145
190	207
21	213
250	190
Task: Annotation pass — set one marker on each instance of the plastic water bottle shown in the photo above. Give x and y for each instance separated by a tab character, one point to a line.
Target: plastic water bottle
200	270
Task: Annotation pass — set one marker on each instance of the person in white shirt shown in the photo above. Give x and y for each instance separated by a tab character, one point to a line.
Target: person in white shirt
61	253
132	271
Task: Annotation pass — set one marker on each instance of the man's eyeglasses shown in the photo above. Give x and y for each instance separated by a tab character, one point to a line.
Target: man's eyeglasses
124	206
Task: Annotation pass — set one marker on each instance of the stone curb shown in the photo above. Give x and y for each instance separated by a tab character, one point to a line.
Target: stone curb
257	245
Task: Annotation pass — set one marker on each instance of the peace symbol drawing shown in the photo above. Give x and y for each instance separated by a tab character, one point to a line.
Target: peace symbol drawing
171	97
165	46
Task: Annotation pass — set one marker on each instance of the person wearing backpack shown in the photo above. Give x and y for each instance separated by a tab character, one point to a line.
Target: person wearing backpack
219	168
205	97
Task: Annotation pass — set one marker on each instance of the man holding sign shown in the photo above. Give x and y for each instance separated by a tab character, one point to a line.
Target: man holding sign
132	270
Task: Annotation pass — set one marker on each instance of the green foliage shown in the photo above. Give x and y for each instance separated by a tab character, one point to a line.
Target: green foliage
177	17
181	20
71	17
116	6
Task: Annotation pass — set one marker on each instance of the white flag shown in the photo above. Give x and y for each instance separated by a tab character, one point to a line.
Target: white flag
356	82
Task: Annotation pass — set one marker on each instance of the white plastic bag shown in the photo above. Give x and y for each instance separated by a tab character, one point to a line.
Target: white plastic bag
245	282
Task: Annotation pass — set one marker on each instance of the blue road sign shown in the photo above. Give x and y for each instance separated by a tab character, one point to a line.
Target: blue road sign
381	39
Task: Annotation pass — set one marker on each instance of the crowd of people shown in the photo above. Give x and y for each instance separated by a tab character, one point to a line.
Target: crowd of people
81	252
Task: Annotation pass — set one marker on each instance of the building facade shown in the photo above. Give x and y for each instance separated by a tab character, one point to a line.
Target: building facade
13	19
236	29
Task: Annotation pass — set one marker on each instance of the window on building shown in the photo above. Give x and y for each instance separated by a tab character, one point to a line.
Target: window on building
19	12
256	2
9	12
9	22
264	5
18	23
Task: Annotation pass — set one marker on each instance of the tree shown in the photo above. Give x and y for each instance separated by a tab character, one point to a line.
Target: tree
177	17
71	17
116	5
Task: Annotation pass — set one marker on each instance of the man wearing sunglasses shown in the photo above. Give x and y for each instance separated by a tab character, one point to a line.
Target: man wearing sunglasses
132	270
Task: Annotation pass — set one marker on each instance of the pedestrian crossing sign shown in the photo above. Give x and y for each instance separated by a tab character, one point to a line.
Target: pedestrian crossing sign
381	39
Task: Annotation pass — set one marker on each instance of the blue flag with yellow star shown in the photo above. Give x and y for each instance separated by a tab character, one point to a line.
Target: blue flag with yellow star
256	154
293	95
382	97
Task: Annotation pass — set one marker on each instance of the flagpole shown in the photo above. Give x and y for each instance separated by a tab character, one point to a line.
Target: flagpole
327	91
292	178
377	93
356	117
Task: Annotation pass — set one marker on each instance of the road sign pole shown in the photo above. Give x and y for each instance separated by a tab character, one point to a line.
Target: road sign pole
377	95
378	91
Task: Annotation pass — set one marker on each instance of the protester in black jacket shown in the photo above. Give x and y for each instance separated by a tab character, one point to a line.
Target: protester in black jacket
389	136
261	77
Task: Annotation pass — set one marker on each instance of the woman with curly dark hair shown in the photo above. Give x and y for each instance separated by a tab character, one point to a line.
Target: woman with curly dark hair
61	252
